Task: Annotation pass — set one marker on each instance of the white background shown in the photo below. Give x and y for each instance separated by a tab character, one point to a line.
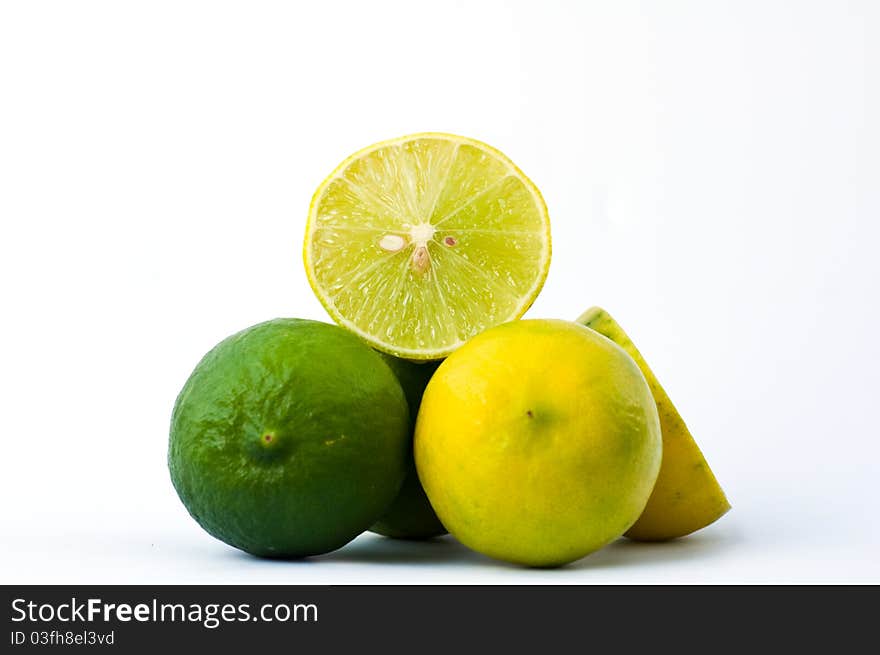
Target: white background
712	171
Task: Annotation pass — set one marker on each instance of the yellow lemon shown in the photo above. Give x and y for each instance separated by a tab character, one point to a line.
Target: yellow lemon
538	442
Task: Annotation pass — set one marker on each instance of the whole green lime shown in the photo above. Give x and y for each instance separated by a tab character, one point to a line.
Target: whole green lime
289	439
411	515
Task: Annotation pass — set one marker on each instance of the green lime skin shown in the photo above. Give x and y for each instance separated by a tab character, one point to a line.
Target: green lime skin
289	439
411	515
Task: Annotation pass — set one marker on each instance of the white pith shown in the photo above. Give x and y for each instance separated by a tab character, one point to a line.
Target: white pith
422	233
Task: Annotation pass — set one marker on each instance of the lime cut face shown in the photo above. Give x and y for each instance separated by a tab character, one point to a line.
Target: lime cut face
419	243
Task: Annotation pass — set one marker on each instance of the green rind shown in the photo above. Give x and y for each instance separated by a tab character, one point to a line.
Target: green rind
411	516
339	448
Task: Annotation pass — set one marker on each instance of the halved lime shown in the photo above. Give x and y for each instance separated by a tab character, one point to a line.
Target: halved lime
419	243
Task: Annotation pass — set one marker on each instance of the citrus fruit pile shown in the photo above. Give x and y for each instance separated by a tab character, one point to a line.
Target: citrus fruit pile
430	406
